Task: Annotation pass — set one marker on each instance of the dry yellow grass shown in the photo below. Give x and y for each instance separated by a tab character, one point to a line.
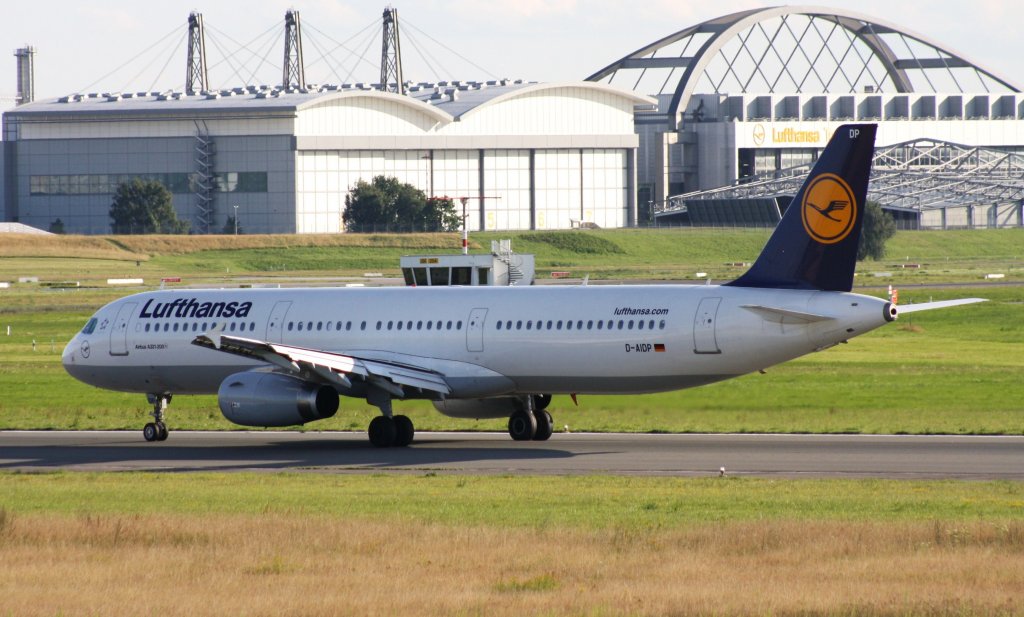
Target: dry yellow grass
91	247
144	246
307	565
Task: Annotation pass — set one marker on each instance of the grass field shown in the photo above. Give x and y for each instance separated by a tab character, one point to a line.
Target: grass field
309	544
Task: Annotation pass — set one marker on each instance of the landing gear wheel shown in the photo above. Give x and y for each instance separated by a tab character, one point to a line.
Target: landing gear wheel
382	432
541	401
162	431
545	425
404	431
522	426
151	432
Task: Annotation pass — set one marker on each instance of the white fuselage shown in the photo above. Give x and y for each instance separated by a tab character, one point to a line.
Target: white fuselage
487	341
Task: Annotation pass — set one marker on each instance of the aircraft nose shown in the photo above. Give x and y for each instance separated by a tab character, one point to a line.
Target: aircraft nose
75	354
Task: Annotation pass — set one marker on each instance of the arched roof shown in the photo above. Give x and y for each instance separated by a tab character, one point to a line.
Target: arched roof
797	49
636	99
432	111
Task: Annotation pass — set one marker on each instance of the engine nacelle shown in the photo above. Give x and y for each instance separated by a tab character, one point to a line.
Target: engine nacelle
480	408
271	399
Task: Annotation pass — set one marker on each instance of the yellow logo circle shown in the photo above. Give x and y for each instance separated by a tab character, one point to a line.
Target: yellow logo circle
828	209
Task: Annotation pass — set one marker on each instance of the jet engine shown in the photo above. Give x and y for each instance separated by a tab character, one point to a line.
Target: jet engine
271	399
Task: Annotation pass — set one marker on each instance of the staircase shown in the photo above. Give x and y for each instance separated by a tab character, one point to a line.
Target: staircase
503	251
205	183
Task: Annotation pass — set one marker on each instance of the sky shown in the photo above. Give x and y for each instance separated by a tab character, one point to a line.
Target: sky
101	45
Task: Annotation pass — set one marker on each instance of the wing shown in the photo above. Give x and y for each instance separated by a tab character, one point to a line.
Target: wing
333	368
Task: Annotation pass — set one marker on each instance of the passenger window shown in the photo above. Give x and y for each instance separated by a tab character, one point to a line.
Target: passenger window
348	325
408	325
309	325
429	323
458	325
390	323
379	324
300	326
498	324
175	326
620	324
508	324
329	326
558	326
338	327
319	325
599	323
640	324
147	329
438	324
419	325
519	324
252	326
448	326
630	324
529	324
362	326
399	325
662	324
590	324
549	324
290	324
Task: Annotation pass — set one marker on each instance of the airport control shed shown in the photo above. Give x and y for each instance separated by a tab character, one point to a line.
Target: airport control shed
527	155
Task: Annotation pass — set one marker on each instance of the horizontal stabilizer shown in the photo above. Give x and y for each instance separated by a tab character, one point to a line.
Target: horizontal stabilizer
928	306
785	316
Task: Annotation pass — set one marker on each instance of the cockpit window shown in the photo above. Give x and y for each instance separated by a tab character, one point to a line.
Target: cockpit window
89	327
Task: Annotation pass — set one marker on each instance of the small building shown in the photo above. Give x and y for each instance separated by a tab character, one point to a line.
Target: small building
502	267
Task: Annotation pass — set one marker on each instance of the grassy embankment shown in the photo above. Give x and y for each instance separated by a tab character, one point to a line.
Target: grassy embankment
951	371
128	544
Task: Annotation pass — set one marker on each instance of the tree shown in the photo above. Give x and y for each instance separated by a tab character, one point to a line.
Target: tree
57	226
144	207
386	203
229	227
878	228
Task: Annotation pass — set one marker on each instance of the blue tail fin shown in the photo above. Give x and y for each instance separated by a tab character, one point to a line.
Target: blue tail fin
815	243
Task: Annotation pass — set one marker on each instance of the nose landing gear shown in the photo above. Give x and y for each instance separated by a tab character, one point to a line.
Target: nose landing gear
157	430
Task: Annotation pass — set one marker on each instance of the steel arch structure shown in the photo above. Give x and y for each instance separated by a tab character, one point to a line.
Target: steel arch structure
796	49
920	174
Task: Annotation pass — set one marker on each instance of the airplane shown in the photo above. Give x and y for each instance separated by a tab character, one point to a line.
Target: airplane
282	357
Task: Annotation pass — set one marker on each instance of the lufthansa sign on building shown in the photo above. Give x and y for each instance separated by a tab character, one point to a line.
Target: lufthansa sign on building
781	135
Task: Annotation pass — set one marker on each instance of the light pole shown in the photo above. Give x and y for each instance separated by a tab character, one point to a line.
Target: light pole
236	219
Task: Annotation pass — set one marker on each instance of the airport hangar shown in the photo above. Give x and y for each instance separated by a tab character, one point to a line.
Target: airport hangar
527	155
744	103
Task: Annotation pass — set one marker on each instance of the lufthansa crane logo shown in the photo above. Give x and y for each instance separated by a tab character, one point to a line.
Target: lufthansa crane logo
829	209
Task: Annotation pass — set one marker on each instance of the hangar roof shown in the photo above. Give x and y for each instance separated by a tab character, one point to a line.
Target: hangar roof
446	100
795	50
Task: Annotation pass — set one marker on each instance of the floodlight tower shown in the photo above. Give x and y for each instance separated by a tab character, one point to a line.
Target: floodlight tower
294	73
196	77
391	54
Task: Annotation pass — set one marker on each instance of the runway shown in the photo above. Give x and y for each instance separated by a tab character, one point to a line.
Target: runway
791	456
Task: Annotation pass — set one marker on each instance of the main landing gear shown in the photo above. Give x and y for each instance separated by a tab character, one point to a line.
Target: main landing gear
533	422
157	430
388	430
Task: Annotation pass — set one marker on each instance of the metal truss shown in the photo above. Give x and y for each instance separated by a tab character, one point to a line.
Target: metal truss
919	174
796	50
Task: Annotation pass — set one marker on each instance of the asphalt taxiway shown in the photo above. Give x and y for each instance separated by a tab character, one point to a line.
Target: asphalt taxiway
838	456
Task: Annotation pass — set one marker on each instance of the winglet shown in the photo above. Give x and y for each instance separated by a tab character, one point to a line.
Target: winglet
815	243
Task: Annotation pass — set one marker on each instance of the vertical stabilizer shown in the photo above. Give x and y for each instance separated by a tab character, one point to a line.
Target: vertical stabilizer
815	243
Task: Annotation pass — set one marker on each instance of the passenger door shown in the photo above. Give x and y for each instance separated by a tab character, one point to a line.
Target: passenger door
704	339
119	333
275	324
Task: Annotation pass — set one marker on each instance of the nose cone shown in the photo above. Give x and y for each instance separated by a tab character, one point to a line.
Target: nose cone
76	355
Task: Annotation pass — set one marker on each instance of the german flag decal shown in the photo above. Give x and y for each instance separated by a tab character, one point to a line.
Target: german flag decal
659	347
